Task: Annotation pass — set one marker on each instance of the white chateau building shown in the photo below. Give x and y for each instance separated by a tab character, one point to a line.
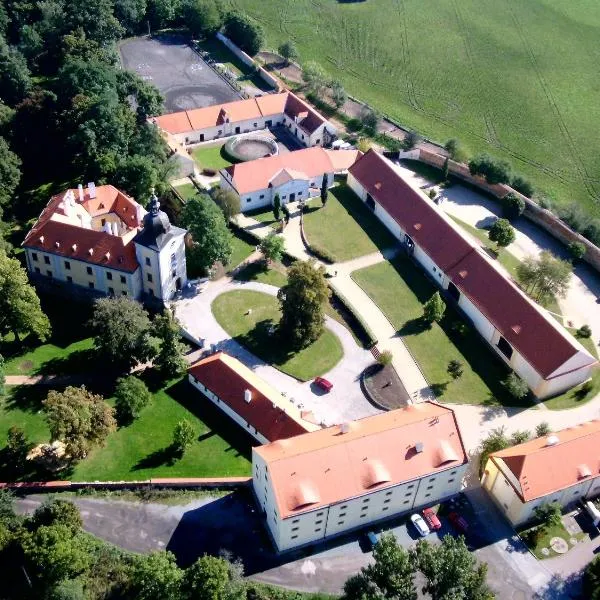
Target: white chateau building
101	241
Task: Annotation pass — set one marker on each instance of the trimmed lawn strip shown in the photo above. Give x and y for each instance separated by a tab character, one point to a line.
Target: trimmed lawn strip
574	397
587	343
257	271
210	157
21	406
241	250
345	227
251	331
400	290
187	191
535	545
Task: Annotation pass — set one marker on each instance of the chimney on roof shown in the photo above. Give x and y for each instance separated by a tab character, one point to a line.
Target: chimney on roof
107	256
247	396
80	190
106	227
91	251
57	244
345	427
419	447
74	247
552	440
41	239
92	189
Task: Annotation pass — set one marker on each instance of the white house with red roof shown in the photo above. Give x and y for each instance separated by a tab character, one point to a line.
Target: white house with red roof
530	341
334	480
100	241
308	126
563	467
294	176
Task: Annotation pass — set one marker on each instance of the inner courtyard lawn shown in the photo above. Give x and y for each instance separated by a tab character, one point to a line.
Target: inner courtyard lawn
210	157
400	290
345	227
241	250
248	315
187	191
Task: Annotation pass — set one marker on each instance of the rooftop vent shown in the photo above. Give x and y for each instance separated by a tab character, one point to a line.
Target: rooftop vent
583	471
80	190
107	256
378	185
552	440
74	247
417	226
92	189
463	274
57	244
345	427
419	447
516	328
91	251
247	396
41	239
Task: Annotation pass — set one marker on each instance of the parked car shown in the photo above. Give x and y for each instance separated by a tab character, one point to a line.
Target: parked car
420	525
459	523
371	539
323	383
431	519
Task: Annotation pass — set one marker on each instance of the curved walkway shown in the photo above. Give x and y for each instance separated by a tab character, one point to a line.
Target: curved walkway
345	402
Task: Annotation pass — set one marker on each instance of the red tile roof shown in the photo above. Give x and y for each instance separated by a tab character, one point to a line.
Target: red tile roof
342	462
268	412
541	469
534	335
308	163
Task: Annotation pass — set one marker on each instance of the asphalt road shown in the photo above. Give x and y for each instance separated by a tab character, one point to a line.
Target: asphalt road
183	78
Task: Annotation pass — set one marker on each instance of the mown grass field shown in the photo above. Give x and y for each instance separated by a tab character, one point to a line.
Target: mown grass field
516	79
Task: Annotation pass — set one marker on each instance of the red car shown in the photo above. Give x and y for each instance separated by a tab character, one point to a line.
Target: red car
431	519
324	384
459	523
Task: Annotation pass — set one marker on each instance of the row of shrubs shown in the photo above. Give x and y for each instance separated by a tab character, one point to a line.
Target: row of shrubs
363	331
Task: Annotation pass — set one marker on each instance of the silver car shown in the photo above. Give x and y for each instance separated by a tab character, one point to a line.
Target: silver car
420	525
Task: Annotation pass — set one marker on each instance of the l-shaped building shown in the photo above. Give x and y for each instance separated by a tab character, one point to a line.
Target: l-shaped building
519	331
302	121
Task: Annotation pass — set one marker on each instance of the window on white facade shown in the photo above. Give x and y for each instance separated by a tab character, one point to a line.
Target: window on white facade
34	256
318	522
248	199
91	285
295	528
320	514
387	501
109	275
69	278
111	291
406	502
37	270
388	493
262	196
451	480
317	530
410	487
149	277
294	537
296	521
122	278
89	270
427	495
147	261
49	273
123	293
47	260
385	508
407	495
67	265
340	522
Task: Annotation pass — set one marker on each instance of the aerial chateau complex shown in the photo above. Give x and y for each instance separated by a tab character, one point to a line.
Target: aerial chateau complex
101	241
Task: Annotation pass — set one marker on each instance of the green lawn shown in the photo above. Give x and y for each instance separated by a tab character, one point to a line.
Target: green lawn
21	406
241	251
275	274
251	330
141	450
187	190
210	157
263	215
535	543
400	289
499	76
574	397
345	226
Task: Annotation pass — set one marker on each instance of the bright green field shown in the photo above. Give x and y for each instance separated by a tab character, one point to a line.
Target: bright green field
187	190
210	157
251	330
518	79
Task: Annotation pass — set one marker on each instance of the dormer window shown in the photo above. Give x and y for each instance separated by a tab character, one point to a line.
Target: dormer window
101	205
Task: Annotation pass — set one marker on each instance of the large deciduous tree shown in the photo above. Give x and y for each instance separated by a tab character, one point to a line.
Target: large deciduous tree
228	202
10	173
121	330
20	310
211	239
289	51
79	418
272	247
545	276
206	579
14	74
155	576
451	571
502	232
494	171
170	360
314	76
131	397
245	32
302	300
183	436
203	17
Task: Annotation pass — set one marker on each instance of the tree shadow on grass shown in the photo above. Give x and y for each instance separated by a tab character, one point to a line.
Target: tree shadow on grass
164	456
28	398
76	363
264	341
414	327
439	389
252	271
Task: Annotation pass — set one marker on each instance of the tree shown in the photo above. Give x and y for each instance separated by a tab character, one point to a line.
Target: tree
155	576
245	32
412	140
228	202
55	511
451	571
434	309
542	429
20	310
302	300
576	250
96	19
289	51
183	436
548	514
10	174
17	447
522	185
385	358
131	397
324	191
495	441
206	579
515	386
390	577
446	169
544	277
121	329
314	77
2	376
170	359
455	369
272	247
364	145
338	94
512	206
277	207
79	418
137	175
502	232
370	120
286	213
591	580
14	75
130	13
211	239
519	437
452	146
585	331
493	170
203	17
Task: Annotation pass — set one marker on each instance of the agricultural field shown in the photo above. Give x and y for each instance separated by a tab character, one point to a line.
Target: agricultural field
515	79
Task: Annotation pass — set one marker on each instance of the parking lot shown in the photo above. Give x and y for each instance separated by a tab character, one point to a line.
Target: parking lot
183	78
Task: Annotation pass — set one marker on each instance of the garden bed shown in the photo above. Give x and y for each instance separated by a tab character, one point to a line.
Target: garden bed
384	388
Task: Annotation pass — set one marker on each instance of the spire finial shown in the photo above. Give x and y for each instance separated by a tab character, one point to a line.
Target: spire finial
154	203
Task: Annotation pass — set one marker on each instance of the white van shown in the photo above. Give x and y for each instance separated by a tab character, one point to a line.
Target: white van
594	513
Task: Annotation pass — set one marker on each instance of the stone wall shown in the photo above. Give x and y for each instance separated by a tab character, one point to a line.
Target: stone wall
540	216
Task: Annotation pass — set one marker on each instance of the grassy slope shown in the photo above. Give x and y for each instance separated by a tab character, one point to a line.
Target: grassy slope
241	251
400	290
250	330
500	76
363	233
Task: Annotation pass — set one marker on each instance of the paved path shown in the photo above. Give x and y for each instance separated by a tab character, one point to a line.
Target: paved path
345	402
